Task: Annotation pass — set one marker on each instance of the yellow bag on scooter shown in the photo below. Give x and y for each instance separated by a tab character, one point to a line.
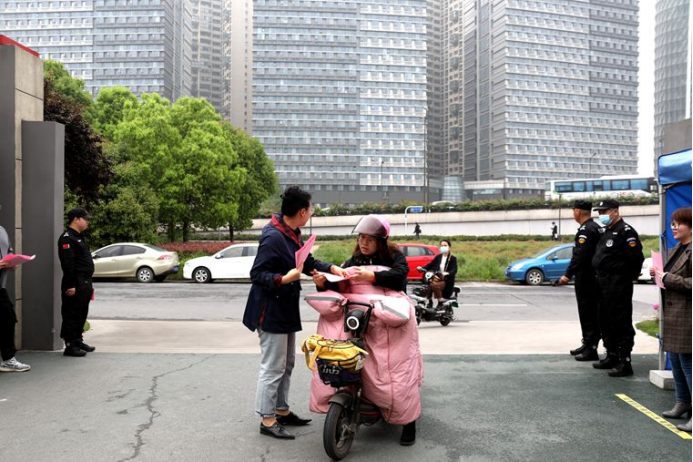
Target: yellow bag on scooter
341	354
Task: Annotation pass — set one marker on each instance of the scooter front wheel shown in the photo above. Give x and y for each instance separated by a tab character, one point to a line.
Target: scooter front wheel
337	435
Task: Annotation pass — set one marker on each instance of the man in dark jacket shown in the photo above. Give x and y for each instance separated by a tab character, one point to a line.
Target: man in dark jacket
617	262
586	288
273	309
76	287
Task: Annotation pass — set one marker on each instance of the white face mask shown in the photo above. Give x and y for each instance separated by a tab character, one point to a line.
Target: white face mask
443	249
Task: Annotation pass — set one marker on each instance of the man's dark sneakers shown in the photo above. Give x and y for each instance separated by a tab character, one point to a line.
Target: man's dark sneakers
609	361
74	351
588	354
276	431
85	347
623	368
408	434
578	350
292	419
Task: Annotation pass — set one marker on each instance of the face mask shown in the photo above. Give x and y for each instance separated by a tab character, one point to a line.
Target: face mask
443	249
605	220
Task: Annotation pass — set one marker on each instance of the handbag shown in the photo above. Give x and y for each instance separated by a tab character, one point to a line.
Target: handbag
338	362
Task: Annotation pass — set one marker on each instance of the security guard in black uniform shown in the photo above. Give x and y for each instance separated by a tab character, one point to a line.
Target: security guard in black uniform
586	288
76	288
617	262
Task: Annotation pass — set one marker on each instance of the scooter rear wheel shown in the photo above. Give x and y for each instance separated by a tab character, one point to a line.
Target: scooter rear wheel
337	436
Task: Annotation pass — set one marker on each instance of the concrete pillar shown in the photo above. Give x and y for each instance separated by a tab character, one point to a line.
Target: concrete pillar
42	219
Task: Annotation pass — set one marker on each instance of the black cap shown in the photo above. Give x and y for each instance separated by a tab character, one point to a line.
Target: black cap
77	213
582	205
606	205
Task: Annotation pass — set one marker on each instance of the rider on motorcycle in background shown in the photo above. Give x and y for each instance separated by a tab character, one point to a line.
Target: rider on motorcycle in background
373	248
445	266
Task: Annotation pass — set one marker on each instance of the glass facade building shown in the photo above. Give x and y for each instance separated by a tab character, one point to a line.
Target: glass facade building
144	45
340	96
207	60
539	90
672	66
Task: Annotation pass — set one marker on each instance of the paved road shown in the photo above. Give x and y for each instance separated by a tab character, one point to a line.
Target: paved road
226	302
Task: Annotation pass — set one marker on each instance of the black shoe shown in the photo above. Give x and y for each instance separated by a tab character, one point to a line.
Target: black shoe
588	354
623	368
85	347
292	419
74	351
609	361
578	350
276	431
408	434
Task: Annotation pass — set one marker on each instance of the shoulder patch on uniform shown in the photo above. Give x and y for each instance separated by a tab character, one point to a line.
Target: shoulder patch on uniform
632	244
66	246
66	234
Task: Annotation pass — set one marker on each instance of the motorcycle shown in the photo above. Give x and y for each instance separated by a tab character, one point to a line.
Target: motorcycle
424	306
348	409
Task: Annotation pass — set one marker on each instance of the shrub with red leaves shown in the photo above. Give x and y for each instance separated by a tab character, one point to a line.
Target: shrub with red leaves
191	247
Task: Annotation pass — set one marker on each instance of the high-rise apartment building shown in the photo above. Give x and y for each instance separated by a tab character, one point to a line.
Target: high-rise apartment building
206	58
339	96
237	50
144	45
539	90
672	66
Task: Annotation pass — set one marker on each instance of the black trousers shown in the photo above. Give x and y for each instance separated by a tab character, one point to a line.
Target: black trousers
74	311
8	319
588	296
616	312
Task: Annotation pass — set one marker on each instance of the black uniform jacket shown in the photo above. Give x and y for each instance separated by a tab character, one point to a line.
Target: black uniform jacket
586	240
619	251
75	258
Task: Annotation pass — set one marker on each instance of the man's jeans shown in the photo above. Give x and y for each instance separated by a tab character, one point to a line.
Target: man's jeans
681	368
277	358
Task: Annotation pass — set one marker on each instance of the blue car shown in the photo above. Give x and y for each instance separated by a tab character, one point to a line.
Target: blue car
548	265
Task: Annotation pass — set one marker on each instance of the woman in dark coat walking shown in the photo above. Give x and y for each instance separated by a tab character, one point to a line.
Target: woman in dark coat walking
676	331
273	309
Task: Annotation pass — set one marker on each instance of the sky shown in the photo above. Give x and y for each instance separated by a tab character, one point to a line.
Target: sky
646	88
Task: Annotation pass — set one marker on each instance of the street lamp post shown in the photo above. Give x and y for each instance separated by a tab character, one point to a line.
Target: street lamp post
590	164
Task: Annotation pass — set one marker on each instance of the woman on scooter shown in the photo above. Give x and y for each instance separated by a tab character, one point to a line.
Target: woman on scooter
372	248
444	264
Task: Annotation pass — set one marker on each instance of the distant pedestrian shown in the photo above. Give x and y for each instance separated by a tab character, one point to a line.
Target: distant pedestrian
273	309
586	288
617	262
76	287
676	332
8	317
417	231
554	231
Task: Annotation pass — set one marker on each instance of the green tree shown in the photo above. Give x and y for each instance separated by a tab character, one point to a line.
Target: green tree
187	160
261	180
86	166
109	108
70	89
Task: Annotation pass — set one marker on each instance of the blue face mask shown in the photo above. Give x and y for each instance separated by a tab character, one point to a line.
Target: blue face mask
443	249
605	220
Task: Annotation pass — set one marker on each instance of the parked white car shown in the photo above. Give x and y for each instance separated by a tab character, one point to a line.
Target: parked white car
645	271
233	262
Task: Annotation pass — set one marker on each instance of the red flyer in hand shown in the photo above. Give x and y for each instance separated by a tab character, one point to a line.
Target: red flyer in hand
14	261
303	252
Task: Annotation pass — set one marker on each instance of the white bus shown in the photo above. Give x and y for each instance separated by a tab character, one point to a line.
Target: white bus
606	186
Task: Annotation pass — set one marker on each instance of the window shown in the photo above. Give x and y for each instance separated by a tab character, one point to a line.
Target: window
132	250
250	251
232	252
113	251
566	253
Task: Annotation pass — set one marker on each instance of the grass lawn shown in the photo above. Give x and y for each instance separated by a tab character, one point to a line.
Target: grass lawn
650	327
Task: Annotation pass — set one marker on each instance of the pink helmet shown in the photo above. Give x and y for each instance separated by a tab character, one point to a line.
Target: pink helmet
373	225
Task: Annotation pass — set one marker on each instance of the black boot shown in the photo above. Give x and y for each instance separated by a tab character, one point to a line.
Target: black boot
623	368
609	361
588	354
71	349
579	349
408	434
85	347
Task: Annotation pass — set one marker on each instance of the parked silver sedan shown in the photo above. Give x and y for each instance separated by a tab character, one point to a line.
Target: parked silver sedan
145	262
